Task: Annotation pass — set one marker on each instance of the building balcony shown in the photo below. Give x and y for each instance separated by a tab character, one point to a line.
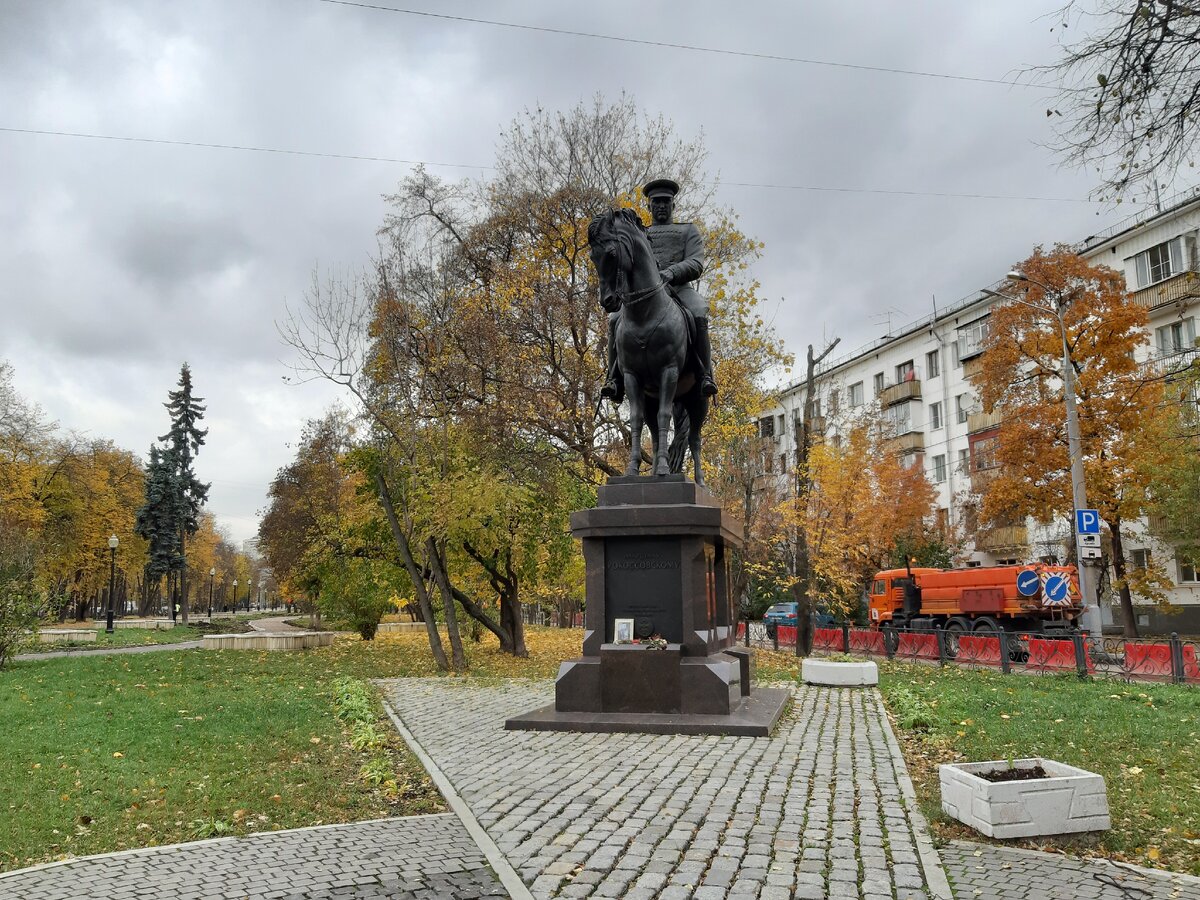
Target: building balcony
898	393
981	478
909	442
982	421
1002	538
1184	286
972	366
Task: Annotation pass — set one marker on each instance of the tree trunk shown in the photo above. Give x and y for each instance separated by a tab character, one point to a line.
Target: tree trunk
803	588
1128	619
457	657
183	593
414	574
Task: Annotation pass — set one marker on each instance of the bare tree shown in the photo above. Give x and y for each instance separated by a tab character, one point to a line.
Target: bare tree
1130	91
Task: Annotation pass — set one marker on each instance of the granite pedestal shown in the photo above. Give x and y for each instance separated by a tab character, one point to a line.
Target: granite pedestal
655	549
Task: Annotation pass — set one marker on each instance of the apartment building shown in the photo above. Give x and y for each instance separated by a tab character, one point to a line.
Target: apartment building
917	380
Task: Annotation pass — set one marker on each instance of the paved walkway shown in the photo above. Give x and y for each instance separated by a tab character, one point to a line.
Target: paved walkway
815	811
987	872
417	858
110	651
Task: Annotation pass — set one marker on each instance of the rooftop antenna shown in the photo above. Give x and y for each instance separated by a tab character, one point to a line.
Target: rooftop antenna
886	316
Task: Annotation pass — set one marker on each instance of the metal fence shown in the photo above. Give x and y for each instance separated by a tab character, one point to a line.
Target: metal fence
1172	660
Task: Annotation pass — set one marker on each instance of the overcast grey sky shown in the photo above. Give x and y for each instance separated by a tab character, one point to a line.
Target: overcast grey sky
120	260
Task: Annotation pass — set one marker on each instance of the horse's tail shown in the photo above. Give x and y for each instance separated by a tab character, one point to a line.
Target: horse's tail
679	443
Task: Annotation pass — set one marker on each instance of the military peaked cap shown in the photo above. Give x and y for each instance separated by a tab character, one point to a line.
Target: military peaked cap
660	187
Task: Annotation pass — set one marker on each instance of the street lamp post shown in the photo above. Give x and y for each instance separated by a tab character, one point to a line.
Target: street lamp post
1091	609
233	605
212	573
249	588
112	583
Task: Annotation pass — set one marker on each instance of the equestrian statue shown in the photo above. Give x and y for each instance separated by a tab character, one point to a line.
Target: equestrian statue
658	349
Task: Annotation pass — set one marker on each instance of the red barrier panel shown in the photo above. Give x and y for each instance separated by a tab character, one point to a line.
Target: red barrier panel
865	640
786	634
828	639
1191	668
1055	656
1149	661
917	646
980	650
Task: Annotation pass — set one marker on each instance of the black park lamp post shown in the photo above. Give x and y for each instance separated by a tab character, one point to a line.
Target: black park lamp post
212	573
233	603
249	591
112	583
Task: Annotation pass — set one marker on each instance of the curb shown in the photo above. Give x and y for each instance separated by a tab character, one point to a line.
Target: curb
931	863
500	865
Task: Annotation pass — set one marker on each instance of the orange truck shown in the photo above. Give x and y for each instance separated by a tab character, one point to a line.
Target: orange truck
1030	598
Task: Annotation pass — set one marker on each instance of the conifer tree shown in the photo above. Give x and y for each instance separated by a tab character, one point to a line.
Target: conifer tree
174	496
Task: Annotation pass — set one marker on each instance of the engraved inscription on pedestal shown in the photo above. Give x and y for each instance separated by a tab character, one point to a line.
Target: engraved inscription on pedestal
642	582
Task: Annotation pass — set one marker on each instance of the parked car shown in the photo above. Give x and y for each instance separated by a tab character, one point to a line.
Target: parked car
785	614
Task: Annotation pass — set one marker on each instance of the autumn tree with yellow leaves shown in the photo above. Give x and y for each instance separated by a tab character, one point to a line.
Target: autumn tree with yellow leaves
1124	421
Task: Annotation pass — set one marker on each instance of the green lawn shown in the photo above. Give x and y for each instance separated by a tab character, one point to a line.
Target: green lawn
104	753
1143	738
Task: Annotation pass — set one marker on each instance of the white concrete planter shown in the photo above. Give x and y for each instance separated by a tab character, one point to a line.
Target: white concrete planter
292	640
838	674
67	635
1069	800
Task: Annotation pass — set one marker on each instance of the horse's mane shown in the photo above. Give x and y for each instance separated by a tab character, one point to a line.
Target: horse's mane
608	221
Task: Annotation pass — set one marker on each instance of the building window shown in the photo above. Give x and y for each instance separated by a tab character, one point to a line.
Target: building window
783	462
984	454
935	415
962	406
906	371
900	417
955	359
1140	559
964	460
1187	573
1176	337
971	338
939	468
766	427
768	463
856	394
943	521
878	383
932	366
1159	262
835	401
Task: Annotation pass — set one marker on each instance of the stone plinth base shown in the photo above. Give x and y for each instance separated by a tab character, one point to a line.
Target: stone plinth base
300	640
753	716
67	636
829	673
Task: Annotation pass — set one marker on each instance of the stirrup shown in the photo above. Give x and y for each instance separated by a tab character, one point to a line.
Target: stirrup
708	387
612	391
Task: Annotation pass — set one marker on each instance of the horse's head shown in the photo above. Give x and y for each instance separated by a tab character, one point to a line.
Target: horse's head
611	237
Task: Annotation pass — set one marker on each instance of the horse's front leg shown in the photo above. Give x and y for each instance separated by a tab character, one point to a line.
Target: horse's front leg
666	405
637	415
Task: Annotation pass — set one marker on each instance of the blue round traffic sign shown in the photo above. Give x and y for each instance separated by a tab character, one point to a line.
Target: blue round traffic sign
1028	582
1057	587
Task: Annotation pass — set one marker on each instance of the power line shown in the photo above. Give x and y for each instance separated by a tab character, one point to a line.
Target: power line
214	146
209	145
773	57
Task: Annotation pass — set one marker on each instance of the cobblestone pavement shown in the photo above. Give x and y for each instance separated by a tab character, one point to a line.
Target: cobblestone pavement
426	857
815	811
986	872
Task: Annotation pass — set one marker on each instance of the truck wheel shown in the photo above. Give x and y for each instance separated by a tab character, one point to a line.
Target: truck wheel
987	625
955	628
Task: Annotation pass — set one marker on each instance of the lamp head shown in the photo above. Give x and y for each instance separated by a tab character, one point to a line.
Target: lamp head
1014	275
113	542
212	571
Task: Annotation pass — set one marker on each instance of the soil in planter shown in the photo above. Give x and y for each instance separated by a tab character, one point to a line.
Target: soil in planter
1013	774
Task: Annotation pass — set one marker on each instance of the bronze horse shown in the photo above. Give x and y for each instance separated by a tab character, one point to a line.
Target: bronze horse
653	337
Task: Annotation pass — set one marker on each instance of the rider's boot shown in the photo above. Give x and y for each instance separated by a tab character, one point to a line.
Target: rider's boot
708	387
614	387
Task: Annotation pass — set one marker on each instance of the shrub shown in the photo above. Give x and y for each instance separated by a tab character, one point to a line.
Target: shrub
22	603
